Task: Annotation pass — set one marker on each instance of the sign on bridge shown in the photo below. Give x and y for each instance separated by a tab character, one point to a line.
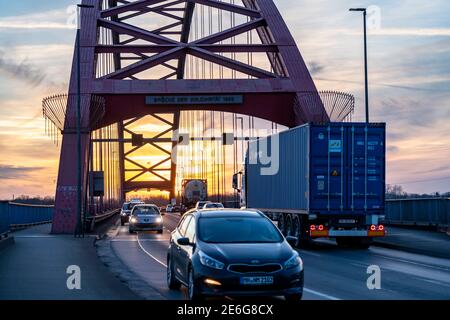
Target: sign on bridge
194	100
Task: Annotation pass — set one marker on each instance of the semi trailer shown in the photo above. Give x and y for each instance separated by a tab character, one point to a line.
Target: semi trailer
192	191
326	180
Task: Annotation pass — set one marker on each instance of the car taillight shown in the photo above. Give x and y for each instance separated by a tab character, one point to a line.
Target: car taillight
320	227
313	227
381	227
373	227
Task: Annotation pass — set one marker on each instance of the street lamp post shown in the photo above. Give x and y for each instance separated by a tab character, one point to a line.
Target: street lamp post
80	228
364	11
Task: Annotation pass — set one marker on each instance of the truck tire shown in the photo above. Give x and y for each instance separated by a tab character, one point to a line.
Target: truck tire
289	225
282	223
299	224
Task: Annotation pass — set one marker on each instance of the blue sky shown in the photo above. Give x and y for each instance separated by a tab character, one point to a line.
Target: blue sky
409	64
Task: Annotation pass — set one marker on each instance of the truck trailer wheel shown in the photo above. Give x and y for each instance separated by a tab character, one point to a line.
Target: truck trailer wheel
282	223
298	230
289	225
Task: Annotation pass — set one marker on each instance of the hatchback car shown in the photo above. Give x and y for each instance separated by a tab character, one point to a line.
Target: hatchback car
232	253
125	212
146	218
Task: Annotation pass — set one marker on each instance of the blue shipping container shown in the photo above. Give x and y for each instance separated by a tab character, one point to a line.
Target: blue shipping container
331	168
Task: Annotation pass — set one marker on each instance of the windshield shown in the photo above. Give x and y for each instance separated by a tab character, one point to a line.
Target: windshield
145	211
238	230
126	206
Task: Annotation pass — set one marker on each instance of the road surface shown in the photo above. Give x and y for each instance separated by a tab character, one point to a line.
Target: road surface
331	272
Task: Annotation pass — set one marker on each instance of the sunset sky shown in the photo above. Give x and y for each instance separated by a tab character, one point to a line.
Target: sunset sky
409	61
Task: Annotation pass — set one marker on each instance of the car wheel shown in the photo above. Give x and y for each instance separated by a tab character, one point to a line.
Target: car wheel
193	293
172	282
130	231
294	297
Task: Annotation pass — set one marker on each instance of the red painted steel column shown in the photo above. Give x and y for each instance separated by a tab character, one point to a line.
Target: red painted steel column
65	216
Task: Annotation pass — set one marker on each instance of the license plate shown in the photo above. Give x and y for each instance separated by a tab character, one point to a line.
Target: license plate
256	281
347	221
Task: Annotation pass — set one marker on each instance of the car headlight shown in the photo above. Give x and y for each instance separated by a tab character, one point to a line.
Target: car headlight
294	262
133	220
159	220
207	261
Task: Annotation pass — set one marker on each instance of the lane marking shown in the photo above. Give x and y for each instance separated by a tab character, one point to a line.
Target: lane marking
308	253
142	240
149	254
323	295
442	268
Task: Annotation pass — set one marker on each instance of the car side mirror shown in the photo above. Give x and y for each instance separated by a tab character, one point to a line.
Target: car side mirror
184	242
291	240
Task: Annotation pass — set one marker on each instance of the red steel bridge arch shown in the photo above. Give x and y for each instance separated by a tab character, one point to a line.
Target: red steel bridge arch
274	94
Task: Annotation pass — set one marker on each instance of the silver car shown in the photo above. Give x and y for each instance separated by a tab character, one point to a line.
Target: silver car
146	218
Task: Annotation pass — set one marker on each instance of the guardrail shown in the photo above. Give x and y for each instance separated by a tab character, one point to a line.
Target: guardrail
26	215
418	212
93	220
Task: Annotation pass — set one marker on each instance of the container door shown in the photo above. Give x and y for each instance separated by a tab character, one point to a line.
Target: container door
328	168
366	164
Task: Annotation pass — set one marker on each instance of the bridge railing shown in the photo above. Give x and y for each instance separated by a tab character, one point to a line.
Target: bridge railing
18	215
420	212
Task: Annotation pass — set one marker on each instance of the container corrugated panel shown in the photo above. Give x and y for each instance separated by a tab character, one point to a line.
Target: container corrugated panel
332	168
287	189
347	167
4	217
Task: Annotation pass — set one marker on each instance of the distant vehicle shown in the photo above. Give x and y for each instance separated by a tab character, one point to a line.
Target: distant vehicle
233	253
331	178
125	212
146	217
199	205
192	191
176	208
213	205
169	208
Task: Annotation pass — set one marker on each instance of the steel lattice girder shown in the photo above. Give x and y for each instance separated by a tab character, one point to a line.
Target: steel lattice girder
274	96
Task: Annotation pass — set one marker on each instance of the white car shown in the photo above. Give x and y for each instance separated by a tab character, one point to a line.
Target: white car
213	205
201	204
